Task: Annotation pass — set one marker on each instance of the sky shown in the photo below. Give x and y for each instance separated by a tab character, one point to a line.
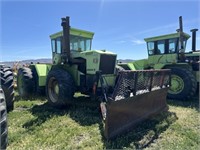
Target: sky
119	25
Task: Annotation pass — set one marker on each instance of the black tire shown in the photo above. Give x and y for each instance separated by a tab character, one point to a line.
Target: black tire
3	121
25	82
7	85
59	87
39	91
183	84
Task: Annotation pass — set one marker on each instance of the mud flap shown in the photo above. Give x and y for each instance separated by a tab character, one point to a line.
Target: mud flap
137	96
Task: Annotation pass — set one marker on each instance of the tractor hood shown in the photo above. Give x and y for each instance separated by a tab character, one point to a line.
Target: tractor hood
98	52
89	53
98	60
196	53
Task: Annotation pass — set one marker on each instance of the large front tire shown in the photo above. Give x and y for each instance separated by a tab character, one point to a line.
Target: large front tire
183	84
3	121
7	84
25	82
59	88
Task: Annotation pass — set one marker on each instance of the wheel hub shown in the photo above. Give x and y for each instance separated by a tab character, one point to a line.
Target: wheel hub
56	89
177	84
21	85
53	89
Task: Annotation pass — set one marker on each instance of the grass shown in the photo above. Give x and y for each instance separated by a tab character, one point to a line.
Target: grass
35	125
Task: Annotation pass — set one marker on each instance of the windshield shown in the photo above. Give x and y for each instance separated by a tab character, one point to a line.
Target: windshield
166	46
78	43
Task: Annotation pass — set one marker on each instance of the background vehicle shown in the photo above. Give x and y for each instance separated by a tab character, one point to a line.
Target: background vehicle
168	52
6	102
6	80
3	121
77	68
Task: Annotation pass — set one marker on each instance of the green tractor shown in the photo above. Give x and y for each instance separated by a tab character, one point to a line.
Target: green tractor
168	52
77	68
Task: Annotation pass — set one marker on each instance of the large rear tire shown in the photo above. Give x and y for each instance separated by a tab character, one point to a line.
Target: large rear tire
183	84
3	122
7	85
59	88
25	82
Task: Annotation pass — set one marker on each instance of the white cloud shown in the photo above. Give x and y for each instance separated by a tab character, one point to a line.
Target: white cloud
138	42
133	41
168	27
122	41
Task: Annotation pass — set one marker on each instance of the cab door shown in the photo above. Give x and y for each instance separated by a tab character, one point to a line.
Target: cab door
56	50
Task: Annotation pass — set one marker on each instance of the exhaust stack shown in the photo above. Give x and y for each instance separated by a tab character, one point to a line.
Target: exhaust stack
66	40
181	32
194	39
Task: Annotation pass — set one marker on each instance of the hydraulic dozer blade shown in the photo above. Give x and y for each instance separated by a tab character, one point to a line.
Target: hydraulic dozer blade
137	96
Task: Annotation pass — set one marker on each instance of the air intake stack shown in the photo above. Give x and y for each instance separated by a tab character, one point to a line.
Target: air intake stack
194	39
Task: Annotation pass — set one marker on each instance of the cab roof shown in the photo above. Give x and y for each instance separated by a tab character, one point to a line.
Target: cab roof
75	32
166	36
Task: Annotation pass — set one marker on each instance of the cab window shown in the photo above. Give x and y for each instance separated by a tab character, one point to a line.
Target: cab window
160	47
151	48
53	45
172	45
88	44
184	44
56	45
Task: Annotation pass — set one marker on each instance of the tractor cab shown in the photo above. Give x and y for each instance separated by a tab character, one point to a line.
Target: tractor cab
80	40
165	44
166	48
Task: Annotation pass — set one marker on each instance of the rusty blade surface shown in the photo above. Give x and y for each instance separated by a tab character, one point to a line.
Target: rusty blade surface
124	114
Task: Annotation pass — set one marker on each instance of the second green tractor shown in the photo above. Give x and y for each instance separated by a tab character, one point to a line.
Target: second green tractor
168	52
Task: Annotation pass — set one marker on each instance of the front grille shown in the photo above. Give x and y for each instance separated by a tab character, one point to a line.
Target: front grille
107	64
